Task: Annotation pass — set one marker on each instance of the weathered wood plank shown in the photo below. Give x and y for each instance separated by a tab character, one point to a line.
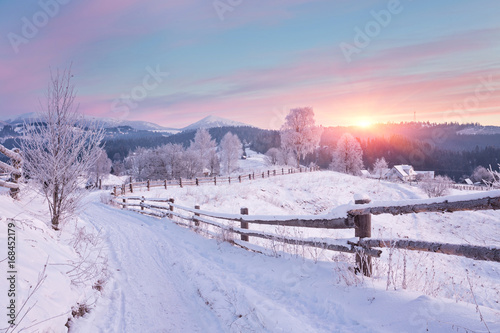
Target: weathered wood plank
463	250
6	184
10	154
9	168
455	206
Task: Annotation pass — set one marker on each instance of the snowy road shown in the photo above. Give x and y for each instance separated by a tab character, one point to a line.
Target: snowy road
149	291
166	278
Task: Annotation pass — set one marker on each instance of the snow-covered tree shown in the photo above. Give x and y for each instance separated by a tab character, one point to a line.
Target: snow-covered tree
481	174
60	149
435	187
299	132
172	155
230	151
495	177
204	147
191	163
273	156
348	156
379	167
102	167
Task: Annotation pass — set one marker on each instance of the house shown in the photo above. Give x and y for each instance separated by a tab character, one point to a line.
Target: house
402	172
468	181
366	174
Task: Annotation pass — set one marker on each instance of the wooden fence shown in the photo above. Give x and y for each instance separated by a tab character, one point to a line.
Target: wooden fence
357	217
13	169
465	187
132	187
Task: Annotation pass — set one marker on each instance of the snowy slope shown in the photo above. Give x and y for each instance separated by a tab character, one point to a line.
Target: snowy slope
170	279
212	121
41	251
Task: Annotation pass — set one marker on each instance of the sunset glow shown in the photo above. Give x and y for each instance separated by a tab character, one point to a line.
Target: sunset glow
175	62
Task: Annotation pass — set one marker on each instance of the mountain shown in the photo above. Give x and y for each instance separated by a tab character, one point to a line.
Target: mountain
105	122
212	122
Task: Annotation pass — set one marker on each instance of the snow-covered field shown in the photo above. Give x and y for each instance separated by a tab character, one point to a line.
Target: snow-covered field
165	278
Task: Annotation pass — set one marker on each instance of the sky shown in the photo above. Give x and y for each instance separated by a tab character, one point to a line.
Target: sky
173	62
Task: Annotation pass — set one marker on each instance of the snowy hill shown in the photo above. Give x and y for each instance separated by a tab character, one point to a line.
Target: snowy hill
166	278
211	122
480	130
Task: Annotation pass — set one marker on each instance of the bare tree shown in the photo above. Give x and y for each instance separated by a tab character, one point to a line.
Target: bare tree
380	167
348	156
231	150
60	149
299	132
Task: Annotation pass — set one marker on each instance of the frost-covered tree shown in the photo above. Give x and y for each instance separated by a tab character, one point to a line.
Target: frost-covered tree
299	132
172	155
191	163
230	151
102	167
61	149
348	156
435	187
379	167
273	156
481	174
495	177
204	147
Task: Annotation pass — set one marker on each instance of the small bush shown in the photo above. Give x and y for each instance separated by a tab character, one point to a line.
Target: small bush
436	187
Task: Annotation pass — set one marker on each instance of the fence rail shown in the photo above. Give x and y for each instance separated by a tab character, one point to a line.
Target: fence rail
357	217
132	187
14	170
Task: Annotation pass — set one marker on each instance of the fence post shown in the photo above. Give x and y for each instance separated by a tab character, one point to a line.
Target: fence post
124	203
180	181
196	222
229	179
149	185
363	229
165	184
253	175
114	191
171	200
142	203
249	176
197	182
274	172
215	180
100	184
244	225
124	188
263	174
282	171
239	178
131	188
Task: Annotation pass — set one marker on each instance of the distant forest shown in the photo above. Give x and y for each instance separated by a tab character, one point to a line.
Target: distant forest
426	146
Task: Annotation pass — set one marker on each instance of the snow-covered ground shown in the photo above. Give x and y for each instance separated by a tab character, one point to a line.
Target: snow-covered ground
166	278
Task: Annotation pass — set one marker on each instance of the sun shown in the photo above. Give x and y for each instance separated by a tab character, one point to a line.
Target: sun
364	123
